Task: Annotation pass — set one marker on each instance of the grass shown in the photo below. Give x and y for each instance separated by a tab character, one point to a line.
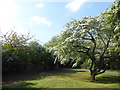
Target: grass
107	70
67	79
114	70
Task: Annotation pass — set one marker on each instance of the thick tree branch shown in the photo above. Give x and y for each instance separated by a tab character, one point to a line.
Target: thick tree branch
102	71
102	57
93	61
93	42
93	52
86	54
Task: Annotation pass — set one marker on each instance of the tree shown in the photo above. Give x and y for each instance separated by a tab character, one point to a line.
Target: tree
51	46
93	38
86	39
112	20
35	51
53	42
14	47
40	55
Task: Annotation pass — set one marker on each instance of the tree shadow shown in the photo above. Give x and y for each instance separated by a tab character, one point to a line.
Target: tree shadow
21	79
26	83
54	73
108	79
23	85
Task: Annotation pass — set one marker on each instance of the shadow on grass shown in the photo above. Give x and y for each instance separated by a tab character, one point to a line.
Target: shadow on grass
108	79
23	85
21	81
26	83
69	71
54	73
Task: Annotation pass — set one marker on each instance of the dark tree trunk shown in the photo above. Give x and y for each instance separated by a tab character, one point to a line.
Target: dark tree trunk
93	75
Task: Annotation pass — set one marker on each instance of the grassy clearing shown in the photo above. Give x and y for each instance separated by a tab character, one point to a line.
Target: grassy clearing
67	79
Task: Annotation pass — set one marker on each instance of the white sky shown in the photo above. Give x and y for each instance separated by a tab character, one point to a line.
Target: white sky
8	12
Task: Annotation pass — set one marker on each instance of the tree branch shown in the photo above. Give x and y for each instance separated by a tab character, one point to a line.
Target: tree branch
82	52
105	49
101	39
93	52
93	41
106	56
93	61
102	71
91	66
82	47
86	38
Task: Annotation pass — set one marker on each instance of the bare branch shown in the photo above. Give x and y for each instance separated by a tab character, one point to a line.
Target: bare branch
82	52
86	38
105	49
83	47
106	56
101	39
97	53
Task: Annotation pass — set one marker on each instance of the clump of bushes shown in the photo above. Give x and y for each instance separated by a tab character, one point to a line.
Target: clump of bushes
18	52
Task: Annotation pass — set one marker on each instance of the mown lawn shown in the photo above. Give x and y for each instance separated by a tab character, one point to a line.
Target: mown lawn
67	79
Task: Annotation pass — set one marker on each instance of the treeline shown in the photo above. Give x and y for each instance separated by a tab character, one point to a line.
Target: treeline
19	54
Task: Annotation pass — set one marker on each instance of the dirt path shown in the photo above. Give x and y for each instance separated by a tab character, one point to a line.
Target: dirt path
89	70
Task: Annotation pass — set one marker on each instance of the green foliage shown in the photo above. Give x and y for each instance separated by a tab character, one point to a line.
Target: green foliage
35	51
14	52
53	42
86	64
39	54
112	20
17	53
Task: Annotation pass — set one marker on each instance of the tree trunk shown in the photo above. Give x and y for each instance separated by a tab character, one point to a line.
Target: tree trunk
93	75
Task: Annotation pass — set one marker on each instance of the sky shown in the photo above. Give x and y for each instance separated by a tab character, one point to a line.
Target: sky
43	18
